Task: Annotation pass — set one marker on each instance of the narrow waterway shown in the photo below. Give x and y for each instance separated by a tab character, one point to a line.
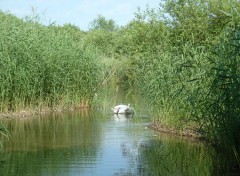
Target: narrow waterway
98	143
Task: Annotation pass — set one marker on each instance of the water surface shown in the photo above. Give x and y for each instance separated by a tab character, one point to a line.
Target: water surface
97	143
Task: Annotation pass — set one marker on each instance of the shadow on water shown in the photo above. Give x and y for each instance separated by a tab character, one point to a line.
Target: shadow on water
97	142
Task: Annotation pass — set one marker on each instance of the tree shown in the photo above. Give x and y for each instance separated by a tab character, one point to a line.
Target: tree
101	23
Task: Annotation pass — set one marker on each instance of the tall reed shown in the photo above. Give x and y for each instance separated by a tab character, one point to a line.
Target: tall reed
195	81
220	110
44	65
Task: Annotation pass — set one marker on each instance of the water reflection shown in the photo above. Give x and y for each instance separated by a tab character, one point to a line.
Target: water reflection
54	131
97	143
122	117
175	157
55	145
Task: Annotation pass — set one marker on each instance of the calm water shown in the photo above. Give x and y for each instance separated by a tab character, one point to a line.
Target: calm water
90	143
97	143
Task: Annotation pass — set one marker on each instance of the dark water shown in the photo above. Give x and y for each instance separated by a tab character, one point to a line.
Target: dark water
90	143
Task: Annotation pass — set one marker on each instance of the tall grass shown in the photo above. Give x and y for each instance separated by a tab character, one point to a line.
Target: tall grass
195	81
220	110
44	65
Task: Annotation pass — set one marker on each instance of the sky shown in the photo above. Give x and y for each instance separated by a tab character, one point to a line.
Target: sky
76	12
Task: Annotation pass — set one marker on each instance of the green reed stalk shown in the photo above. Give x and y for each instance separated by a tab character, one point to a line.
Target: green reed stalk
44	66
221	108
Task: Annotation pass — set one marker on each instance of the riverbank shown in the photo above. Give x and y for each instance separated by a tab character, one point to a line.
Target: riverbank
27	113
189	132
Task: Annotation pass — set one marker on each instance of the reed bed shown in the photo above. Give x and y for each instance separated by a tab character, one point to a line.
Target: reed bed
194	81
44	66
220	110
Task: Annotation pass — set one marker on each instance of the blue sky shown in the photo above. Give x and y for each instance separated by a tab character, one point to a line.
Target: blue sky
79	13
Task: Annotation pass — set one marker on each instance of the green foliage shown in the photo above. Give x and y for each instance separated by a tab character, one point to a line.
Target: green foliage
148	32
44	66
104	41
195	78
101	23
176	78
189	22
220	110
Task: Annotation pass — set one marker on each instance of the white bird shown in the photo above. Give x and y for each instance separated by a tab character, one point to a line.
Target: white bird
123	109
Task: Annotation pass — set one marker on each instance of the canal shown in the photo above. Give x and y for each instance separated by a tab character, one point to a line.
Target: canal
95	142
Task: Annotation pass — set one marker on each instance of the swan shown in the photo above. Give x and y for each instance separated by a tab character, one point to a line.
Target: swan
123	109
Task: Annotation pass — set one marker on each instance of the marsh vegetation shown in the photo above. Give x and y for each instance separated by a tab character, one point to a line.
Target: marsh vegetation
181	57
